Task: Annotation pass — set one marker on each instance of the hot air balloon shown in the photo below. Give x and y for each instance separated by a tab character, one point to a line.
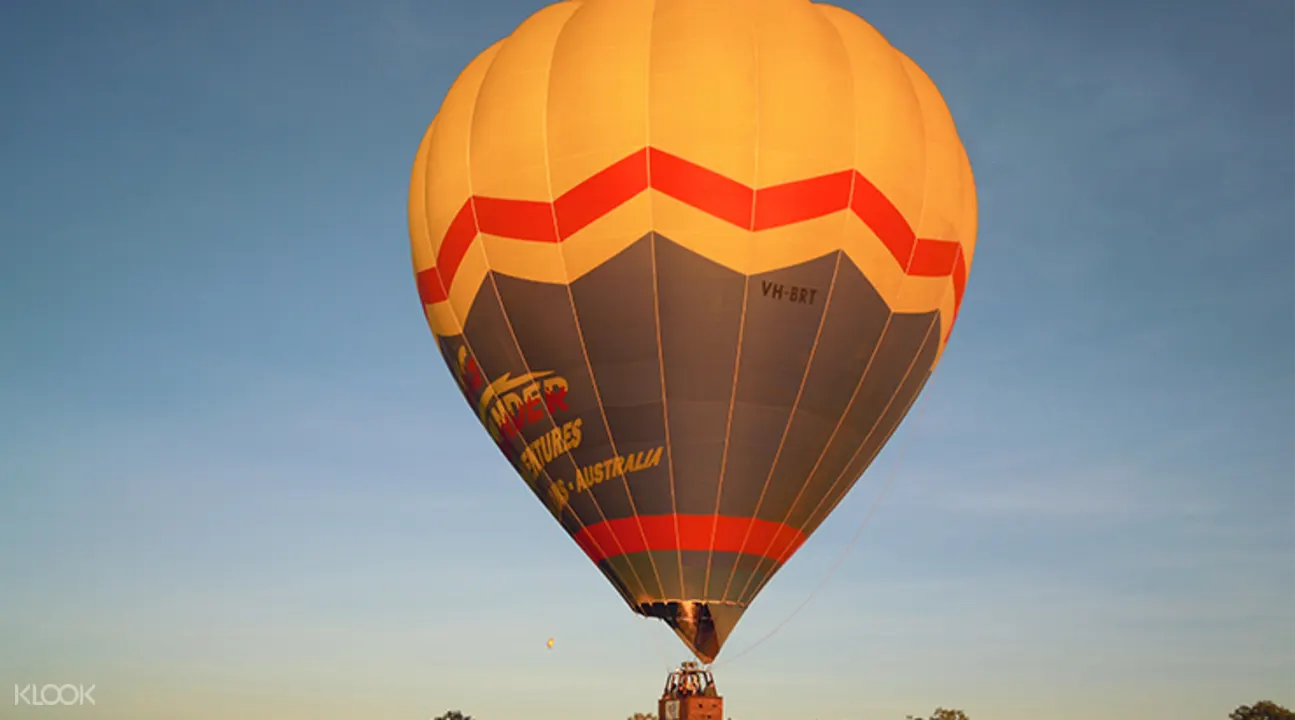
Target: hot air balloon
690	263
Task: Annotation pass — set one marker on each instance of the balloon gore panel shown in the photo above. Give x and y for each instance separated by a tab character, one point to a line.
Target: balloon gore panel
574	384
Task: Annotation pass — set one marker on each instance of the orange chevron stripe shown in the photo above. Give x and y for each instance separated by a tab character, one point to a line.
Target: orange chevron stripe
704	189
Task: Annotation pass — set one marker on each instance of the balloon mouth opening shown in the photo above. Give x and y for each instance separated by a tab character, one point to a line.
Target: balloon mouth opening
694	623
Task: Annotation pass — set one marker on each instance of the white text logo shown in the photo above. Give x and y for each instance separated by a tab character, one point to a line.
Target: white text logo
40	695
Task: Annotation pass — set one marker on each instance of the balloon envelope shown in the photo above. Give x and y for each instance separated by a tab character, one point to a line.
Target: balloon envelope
691	262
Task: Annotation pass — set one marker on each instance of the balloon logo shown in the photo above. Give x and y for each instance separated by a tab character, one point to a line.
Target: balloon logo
690	263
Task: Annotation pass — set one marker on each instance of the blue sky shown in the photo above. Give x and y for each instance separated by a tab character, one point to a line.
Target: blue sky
236	480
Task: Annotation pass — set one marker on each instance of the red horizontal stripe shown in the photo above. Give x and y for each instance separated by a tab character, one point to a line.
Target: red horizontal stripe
705	190
430	288
884	219
934	258
520	219
802	200
720	533
602	193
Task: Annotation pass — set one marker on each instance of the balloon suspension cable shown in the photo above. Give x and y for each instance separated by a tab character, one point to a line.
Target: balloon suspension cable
662	655
840	560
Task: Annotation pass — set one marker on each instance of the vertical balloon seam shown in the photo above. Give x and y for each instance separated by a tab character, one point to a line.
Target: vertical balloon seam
840	559
935	318
846	472
964	175
890	314
499	298
773	540
968	181
575	314
418	208
665	407
964	167
809	366
503	309
728	426
737	355
422	200
827	306
847	469
840	423
583	346
445	283
741	334
656	294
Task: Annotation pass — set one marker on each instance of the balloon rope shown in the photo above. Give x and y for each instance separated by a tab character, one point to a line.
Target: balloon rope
840	560
662	654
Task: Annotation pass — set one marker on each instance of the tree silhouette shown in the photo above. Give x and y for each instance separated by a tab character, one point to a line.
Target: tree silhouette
454	715
1263	710
642	716
943	714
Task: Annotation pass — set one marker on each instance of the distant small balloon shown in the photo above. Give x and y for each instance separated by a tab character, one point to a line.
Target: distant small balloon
550	643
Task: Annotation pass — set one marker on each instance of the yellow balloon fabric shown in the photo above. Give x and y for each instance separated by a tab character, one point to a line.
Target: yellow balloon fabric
691	262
